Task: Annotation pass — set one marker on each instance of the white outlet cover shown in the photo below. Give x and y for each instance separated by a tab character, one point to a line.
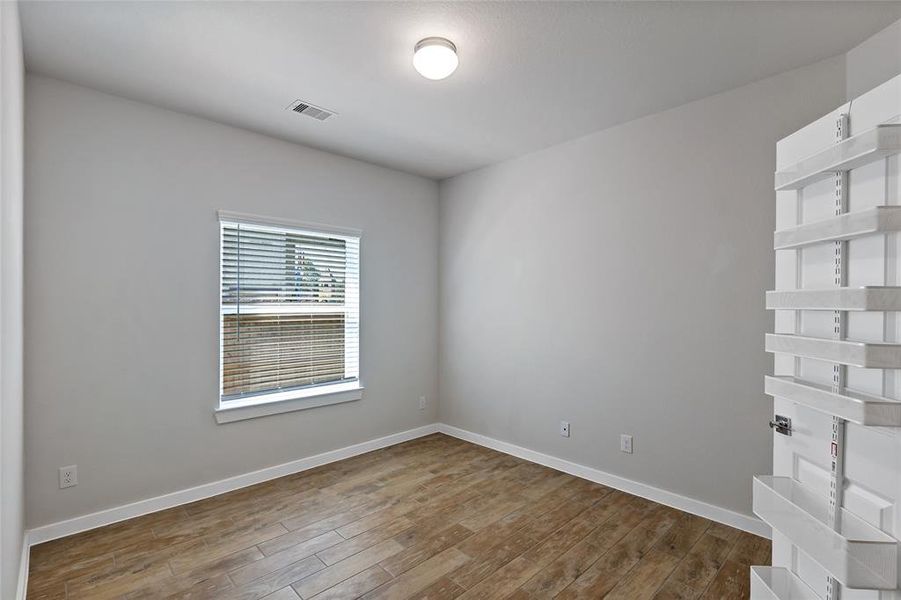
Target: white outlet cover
625	443
564	428
68	476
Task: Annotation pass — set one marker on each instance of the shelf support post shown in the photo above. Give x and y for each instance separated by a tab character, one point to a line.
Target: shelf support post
839	372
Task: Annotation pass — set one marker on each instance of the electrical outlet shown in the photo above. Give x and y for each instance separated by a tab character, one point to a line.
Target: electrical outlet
564	428
625	443
422	403
68	476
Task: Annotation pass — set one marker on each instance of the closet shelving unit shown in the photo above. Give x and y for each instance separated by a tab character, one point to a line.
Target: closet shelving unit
849	226
850	299
858	554
852	152
867	355
856	407
841	228
852	552
770	583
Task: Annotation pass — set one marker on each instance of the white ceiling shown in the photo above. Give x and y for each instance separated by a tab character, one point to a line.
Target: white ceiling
531	74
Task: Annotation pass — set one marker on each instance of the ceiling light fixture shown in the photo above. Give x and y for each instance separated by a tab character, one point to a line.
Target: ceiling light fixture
435	57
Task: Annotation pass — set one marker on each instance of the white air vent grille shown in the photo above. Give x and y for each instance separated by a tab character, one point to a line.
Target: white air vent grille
310	110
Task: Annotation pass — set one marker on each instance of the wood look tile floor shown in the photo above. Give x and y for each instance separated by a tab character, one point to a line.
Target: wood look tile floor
432	518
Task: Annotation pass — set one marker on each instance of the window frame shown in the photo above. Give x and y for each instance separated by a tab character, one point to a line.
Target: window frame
276	402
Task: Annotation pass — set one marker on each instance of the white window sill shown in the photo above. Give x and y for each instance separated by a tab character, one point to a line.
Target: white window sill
282	402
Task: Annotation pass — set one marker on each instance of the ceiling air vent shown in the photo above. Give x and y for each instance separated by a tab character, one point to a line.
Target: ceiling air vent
310	110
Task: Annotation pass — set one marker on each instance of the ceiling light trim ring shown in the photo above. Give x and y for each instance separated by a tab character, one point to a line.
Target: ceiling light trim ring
434	41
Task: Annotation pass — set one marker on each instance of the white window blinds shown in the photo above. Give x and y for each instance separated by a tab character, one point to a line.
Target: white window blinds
289	310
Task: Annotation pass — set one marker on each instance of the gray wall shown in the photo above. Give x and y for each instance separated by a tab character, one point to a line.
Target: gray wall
12	501
121	246
874	61
617	281
563	245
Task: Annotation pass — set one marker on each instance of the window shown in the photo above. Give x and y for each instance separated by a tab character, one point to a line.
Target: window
289	314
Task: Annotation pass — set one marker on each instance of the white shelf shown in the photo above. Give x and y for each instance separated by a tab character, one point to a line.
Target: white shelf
859	555
856	151
860	298
857	354
879	219
856	407
774	583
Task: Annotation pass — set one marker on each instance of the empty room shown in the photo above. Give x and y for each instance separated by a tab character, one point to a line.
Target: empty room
429	300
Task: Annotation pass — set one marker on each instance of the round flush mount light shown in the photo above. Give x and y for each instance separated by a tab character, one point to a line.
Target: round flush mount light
435	57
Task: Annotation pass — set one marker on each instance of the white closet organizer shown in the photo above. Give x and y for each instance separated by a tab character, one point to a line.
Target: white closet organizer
879	142
868	297
775	583
856	354
835	507
858	554
850	226
857	407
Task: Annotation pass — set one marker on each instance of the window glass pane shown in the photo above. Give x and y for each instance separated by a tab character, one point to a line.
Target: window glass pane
289	309
273	352
281	267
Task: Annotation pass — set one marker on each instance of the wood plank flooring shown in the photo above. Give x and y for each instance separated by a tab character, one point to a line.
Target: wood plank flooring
434	518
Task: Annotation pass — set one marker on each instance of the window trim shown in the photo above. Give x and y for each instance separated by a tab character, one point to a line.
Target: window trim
248	219
265	404
290	401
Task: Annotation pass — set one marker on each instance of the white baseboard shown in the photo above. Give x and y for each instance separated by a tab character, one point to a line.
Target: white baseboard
22	585
143	507
684	503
